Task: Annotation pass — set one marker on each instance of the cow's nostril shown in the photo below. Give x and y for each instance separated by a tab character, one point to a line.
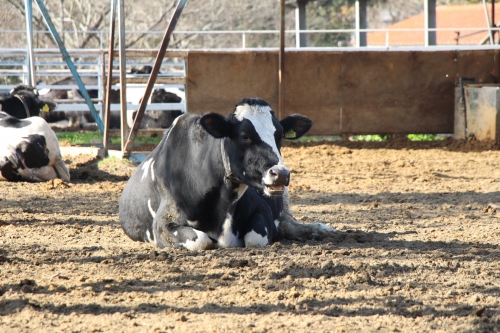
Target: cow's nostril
278	175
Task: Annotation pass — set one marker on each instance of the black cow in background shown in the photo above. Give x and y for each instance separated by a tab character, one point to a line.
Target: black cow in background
159	118
24	101
79	119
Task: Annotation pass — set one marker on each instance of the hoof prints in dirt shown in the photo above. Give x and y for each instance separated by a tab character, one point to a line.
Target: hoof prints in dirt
417	249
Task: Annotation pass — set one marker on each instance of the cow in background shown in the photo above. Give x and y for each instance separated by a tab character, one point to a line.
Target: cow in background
160	118
80	119
29	150
24	101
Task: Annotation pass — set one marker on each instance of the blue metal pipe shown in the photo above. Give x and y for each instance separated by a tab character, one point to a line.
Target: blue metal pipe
70	64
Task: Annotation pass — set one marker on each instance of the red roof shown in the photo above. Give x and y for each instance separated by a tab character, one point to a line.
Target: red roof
457	17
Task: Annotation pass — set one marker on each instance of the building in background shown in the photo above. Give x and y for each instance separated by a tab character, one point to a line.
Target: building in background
459	17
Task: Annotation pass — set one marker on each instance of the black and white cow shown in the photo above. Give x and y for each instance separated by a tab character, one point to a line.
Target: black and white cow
214	181
29	150
24	101
160	118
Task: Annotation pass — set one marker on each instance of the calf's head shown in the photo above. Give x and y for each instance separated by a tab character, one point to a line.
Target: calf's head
31	100
252	142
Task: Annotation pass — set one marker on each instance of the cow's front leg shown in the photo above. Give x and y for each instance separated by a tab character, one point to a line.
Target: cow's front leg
253	225
262	231
289	228
167	232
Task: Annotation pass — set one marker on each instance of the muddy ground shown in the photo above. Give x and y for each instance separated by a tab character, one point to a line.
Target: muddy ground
417	250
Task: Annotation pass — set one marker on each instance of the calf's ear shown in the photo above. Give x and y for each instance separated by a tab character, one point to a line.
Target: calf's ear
216	125
295	126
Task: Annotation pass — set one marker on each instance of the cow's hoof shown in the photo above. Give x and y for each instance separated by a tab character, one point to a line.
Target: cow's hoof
201	242
253	239
321	231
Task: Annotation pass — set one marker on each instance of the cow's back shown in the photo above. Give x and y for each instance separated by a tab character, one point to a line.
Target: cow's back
140	198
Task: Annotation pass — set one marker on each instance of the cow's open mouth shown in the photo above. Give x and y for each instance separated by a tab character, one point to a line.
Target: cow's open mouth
273	190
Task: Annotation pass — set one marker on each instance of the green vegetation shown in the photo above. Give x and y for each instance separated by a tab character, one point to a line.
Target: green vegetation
424	137
371	137
83	138
318	138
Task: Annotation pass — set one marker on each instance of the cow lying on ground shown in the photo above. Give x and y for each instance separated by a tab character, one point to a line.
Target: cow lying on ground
151	119
216	181
29	150
160	118
24	101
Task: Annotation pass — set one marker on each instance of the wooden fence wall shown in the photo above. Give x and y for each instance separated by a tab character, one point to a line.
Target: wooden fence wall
360	92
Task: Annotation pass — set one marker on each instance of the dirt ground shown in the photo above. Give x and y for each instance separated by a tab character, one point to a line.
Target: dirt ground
417	250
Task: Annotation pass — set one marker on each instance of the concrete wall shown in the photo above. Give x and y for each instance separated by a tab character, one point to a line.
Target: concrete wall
362	92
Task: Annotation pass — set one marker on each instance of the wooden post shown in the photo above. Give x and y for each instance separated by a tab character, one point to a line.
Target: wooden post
152	78
107	97
123	75
281	61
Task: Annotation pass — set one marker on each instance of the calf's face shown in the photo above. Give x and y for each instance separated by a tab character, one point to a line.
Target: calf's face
31	98
253	141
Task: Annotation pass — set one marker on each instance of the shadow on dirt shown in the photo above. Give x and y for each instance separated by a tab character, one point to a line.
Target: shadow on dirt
404	143
454	198
97	169
332	307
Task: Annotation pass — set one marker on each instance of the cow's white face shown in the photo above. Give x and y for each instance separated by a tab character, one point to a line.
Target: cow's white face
253	143
265	140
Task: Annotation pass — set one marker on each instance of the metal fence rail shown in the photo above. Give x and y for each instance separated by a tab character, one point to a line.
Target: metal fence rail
92	65
242	37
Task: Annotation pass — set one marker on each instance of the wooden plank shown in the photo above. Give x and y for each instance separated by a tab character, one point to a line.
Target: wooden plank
219	80
344	92
313	88
398	92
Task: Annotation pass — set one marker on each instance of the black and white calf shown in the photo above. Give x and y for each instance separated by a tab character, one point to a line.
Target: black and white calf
213	181
24	101
29	150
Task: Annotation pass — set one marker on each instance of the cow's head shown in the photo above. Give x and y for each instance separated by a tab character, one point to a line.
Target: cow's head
31	99
253	141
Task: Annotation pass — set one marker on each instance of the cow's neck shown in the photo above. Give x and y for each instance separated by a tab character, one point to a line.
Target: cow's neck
229	176
26	109
203	188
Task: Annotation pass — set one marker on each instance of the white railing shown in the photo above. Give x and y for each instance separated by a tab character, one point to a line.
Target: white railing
243	36
93	64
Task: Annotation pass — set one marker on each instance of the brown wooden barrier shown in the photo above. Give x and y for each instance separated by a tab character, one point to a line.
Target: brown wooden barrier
361	92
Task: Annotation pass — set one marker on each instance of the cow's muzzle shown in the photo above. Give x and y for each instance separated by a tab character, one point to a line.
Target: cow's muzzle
276	179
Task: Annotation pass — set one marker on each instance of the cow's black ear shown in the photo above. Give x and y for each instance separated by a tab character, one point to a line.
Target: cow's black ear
216	125
295	125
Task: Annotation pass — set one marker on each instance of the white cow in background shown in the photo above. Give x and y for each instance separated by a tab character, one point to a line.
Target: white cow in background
29	150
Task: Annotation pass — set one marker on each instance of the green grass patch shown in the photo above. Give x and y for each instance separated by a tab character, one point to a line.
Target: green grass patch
371	137
318	138
83	138
424	137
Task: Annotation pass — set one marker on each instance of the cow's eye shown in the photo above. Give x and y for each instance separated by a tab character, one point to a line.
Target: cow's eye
245	138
